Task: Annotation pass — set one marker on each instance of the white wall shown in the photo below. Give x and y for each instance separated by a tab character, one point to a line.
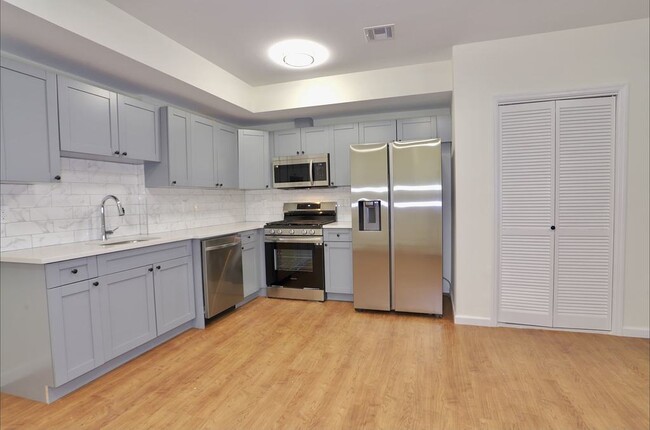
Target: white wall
590	57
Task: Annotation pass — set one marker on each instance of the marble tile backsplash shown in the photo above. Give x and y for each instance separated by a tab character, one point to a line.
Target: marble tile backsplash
266	205
34	215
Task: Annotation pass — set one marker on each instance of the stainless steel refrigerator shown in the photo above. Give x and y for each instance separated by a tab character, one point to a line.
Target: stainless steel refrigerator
397	226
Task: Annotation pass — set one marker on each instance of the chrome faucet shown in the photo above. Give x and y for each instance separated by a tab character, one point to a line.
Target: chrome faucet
102	210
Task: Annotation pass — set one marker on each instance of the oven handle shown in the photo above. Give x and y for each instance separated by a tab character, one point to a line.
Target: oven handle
311	171
314	240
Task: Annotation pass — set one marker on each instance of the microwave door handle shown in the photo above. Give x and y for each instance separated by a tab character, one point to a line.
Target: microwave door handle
311	171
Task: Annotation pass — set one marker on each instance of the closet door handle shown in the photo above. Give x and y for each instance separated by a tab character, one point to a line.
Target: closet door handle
552	227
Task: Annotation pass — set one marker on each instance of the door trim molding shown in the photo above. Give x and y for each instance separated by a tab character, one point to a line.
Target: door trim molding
620	91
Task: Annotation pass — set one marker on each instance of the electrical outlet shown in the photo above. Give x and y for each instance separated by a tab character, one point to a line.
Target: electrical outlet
3	215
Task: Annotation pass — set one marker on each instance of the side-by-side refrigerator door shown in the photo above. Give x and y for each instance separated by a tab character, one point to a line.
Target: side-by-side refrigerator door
417	226
370	226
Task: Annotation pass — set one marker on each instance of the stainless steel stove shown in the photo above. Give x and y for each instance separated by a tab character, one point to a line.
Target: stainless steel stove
294	251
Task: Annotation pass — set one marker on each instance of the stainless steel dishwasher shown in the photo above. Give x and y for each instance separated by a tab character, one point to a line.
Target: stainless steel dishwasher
223	285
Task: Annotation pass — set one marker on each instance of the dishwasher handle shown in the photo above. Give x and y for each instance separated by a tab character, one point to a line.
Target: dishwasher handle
227	245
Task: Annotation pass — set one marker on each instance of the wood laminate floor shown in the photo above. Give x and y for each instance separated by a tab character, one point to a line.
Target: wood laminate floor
291	364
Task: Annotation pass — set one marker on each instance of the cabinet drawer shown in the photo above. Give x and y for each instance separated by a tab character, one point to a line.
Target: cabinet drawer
248	237
67	272
338	235
125	260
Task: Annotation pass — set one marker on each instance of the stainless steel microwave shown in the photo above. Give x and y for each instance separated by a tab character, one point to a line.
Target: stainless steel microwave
301	171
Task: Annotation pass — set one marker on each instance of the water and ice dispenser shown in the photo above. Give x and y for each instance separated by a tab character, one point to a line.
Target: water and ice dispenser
369	215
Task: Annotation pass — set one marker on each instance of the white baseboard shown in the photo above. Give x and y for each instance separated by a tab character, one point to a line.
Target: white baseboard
636	332
470	320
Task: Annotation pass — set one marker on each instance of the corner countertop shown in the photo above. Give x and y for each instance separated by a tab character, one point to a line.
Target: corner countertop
69	251
339	224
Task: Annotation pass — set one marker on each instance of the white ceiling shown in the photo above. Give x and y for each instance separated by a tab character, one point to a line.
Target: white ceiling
235	35
210	57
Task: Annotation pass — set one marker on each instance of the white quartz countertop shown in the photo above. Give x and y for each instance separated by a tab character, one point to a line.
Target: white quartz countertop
69	251
339	224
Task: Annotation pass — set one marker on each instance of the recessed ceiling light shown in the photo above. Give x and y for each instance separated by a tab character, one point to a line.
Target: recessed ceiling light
298	53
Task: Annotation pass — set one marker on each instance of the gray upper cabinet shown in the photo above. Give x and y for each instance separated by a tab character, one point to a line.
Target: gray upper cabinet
75	329
343	136
227	162
127	310
316	140
29	129
416	128
286	143
174	292
443	126
138	129
87	118
302	141
377	131
173	168
97	123
202	157
254	160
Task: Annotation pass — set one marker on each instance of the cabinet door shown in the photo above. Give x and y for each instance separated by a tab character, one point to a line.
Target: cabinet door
250	266
254	160
416	128
128	310
343	136
174	293
526	241
202	152
75	330
138	128
316	140
338	267
286	143
29	134
178	145
443	127
227	161
87	118
377	131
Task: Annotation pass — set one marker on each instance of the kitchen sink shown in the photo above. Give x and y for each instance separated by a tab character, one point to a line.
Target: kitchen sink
122	241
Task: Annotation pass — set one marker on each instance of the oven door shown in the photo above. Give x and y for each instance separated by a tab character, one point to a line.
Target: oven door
295	262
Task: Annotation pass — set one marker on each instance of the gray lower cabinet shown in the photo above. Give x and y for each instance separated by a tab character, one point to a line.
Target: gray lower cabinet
128	310
75	329
29	129
174	293
338	263
60	321
250	263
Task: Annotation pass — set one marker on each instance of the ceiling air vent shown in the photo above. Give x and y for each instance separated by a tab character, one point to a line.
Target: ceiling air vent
379	32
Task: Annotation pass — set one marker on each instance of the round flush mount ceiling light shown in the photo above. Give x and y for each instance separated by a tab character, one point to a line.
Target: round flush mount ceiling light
298	53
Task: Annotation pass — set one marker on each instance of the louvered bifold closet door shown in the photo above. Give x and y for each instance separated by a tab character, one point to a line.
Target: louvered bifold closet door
526	173
584	213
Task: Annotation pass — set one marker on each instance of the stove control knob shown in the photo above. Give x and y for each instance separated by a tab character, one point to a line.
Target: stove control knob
272	231
291	232
279	232
312	232
304	232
